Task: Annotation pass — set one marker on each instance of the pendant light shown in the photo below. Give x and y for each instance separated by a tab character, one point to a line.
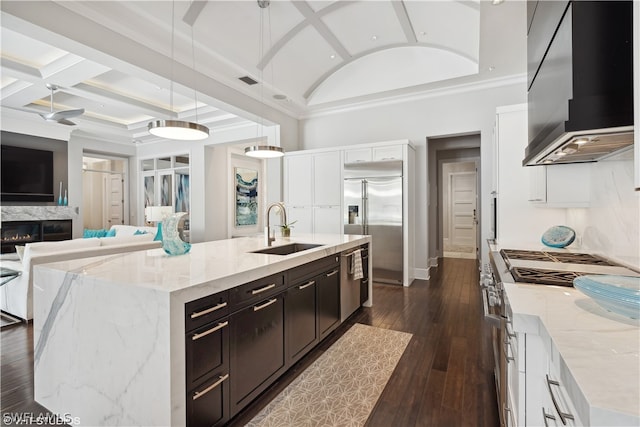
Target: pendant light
179	129
263	151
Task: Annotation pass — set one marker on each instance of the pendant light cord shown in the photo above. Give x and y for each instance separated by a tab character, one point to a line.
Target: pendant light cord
194	75
173	14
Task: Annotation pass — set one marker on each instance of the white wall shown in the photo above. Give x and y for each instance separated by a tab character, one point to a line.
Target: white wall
447	112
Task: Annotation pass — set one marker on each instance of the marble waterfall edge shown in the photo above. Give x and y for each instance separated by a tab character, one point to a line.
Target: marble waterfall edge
81	323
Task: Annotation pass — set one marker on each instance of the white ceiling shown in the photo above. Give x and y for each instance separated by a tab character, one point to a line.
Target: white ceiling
114	58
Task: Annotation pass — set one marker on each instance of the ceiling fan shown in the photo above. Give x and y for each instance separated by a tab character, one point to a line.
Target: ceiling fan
60	116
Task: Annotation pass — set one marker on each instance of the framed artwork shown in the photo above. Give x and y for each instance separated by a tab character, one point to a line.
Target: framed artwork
246	209
166	190
182	192
149	190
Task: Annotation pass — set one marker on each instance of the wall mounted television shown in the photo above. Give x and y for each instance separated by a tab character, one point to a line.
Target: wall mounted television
27	175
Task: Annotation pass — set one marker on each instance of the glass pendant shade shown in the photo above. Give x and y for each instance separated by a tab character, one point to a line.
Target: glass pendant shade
178	129
264	151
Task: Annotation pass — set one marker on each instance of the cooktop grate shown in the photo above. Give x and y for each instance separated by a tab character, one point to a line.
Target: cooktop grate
544	277
568	257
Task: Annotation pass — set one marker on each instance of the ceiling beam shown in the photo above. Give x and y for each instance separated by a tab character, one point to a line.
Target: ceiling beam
405	21
194	11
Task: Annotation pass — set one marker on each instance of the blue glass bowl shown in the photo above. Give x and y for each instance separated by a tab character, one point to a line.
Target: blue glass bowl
559	236
619	294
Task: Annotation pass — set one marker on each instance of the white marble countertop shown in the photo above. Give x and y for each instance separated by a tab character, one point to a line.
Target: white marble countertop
598	351
215	265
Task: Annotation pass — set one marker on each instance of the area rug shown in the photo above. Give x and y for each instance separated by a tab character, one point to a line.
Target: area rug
342	386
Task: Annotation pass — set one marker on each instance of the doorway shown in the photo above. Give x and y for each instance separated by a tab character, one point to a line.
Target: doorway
453	194
459	209
104	181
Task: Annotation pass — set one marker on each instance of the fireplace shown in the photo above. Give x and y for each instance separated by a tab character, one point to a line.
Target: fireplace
20	232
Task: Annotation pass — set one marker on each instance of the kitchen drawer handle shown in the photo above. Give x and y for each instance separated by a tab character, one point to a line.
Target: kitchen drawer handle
210	331
493	320
221	379
546	417
507	345
564	416
265	305
266	288
333	273
306	285
196	314
535	200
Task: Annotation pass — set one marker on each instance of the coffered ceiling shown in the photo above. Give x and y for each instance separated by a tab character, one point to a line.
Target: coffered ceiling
115	58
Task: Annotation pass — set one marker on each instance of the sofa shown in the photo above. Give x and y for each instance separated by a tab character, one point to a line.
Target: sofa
16	295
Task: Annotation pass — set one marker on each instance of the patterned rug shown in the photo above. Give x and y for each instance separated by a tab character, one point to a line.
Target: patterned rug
342	386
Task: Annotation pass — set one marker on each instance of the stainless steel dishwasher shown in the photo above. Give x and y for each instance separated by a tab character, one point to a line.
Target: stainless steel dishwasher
349	287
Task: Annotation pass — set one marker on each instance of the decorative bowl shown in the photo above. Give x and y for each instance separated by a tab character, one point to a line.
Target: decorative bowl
559	236
619	294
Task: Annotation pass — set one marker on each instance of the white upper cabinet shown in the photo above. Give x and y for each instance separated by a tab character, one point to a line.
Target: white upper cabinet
298	180
327	179
375	153
393	152
358	155
560	186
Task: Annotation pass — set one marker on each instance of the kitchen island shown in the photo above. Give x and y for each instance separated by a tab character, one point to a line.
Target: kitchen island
111	332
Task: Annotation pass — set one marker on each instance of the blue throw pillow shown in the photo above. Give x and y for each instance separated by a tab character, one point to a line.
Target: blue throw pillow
111	233
139	232
88	233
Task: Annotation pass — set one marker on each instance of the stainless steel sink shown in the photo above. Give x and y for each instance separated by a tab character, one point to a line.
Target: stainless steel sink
287	249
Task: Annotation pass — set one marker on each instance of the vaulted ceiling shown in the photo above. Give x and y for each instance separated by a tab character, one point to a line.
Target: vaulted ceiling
128	62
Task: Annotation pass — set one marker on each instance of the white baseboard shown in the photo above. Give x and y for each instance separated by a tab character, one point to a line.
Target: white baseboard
421	273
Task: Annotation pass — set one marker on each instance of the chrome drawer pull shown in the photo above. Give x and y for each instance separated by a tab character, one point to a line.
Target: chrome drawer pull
210	331
333	273
266	304
198	394
266	288
208	310
306	285
546	417
564	416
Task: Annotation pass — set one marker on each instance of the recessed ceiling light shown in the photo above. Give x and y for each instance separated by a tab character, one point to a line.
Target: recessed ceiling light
581	141
496	2
491	68
279	96
374	37
332	56
561	153
423	33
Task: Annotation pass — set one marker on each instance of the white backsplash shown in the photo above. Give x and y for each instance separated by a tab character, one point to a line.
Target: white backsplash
611	225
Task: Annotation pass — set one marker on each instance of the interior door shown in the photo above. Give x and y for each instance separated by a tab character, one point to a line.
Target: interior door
463	209
116	200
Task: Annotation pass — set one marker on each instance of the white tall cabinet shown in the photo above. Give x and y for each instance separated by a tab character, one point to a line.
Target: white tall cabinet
313	191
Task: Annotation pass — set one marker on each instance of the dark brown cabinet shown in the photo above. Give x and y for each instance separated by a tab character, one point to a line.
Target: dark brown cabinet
328	301
256	349
364	283
207	361
301	319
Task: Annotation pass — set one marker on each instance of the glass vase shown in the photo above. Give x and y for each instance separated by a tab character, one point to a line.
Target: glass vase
172	243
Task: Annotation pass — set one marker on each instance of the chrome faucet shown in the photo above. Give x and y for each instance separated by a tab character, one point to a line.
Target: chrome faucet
283	218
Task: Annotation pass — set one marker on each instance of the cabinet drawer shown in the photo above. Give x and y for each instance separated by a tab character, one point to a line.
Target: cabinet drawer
208	405
312	269
205	310
393	152
207	351
357	155
256	290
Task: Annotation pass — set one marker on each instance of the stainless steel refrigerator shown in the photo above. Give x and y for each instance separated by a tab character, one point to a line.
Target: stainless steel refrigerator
373	205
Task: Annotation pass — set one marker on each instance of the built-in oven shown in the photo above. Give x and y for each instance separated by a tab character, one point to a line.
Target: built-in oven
498	315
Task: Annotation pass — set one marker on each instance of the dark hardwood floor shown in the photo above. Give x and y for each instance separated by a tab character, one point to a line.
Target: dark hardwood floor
444	378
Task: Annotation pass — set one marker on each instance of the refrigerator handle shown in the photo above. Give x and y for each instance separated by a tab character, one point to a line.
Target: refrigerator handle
365	205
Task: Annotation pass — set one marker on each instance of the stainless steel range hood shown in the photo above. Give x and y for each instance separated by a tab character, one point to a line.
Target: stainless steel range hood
580	80
585	146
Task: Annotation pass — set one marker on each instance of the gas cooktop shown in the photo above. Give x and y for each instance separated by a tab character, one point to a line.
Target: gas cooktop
557	268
